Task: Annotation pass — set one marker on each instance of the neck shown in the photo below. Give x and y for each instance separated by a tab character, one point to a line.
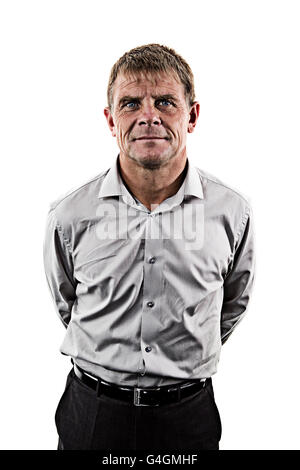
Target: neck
152	187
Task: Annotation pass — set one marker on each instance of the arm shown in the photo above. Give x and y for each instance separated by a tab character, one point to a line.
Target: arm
58	267
239	280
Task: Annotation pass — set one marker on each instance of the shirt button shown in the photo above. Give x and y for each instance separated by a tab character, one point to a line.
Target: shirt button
150	304
152	260
148	349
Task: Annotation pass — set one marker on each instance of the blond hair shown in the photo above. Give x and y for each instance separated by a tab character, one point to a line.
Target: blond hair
152	58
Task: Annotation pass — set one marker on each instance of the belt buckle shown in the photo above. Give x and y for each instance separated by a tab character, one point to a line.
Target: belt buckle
137	397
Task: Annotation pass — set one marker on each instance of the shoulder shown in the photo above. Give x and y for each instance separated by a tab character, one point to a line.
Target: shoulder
225	198
77	199
212	182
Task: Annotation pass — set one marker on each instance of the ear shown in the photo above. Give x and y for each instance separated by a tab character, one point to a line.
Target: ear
194	114
110	121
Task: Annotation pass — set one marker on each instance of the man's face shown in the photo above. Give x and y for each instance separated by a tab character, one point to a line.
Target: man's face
150	118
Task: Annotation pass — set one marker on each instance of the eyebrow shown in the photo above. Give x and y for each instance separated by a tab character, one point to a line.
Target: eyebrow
167	96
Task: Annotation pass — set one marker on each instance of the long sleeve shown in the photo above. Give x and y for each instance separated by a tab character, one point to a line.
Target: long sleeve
238	284
59	268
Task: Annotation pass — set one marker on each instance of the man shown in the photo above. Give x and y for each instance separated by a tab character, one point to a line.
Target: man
151	266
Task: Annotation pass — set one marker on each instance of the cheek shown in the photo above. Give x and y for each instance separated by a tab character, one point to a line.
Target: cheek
122	128
179	124
181	129
119	132
183	126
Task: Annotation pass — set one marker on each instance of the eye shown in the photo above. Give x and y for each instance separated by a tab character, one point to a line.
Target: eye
165	102
131	104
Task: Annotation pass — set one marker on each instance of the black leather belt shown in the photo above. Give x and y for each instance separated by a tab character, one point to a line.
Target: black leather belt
141	396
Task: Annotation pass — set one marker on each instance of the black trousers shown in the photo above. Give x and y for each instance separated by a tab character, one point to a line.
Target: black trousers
87	422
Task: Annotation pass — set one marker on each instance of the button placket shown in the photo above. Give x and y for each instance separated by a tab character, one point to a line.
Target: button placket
153	250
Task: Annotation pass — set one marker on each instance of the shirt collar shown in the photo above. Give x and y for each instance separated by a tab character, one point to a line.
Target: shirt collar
113	185
192	182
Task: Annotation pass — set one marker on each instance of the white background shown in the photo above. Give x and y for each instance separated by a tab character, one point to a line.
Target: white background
55	59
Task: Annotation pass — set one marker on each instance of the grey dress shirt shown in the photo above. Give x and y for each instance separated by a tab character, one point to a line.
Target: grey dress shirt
148	297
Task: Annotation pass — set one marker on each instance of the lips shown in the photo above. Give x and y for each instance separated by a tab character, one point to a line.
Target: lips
150	137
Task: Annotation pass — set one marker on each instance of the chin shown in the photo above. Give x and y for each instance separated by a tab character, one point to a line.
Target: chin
151	160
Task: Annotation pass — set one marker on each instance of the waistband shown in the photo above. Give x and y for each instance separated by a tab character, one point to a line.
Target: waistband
137	396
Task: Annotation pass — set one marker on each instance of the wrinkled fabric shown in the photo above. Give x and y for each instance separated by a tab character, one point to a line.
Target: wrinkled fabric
149	297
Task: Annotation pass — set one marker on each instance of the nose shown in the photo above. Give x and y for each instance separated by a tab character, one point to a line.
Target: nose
149	116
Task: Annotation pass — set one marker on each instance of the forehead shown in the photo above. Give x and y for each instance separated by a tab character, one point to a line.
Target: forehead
141	83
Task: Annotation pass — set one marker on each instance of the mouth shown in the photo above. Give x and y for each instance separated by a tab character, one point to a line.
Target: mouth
150	138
